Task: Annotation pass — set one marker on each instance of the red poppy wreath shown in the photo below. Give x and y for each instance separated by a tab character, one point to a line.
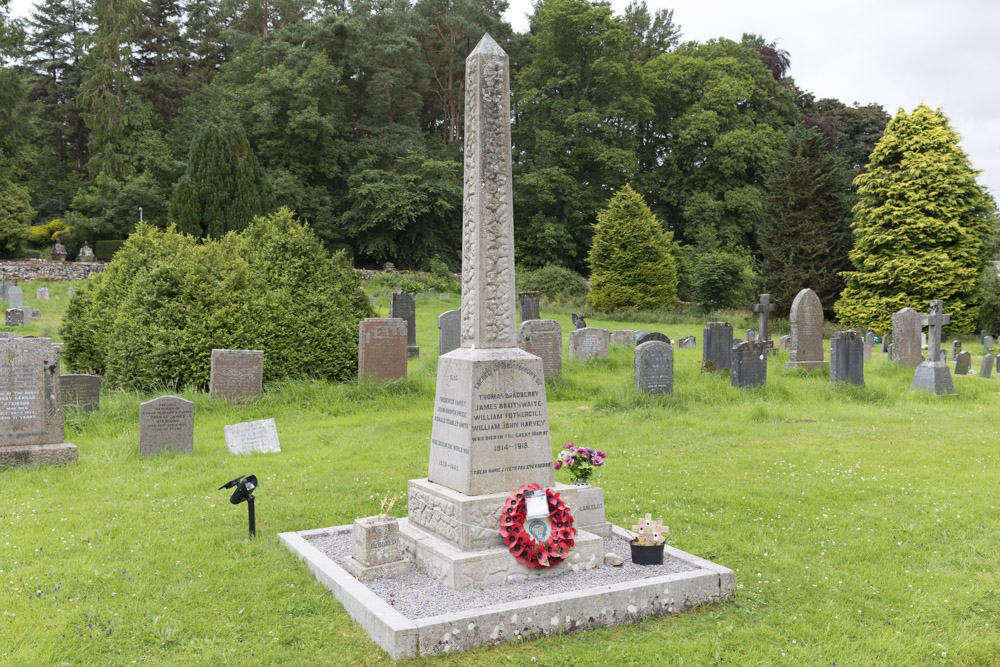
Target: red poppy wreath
551	550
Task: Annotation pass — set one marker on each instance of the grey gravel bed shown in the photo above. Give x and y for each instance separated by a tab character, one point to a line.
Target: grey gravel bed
415	595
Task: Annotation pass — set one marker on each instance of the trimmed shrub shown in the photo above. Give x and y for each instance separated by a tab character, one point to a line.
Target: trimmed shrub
556	283
152	318
43	235
722	279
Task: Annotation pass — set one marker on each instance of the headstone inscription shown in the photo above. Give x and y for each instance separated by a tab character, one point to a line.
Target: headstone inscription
527	303
236	374
717	347
651	336
764	308
166	422
956	348
250	437
31	420
403	305
623	337
986	369
906	337
449	331
15	297
14	317
589	343
83	391
806	342
654	368
847	361
933	374
963	363
749	360
382	348
869	344
42	293
543	338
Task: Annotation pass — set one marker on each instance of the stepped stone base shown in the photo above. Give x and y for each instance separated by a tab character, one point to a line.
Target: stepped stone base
12	456
933	376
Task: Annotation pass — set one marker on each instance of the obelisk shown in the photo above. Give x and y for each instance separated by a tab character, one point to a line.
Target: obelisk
491	424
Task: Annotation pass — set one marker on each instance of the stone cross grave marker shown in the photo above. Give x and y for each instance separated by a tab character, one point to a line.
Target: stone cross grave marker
654	368
749	361
236	374
15	297
166	422
963	363
543	338
806	342
42	293
764	308
250	437
906	337
527	303
83	391
847	360
31	420
449	331
403	305
382	348
986	369
933	374
624	337
589	343
717	347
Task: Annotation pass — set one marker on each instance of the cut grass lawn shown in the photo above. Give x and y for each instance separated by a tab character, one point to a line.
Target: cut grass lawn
861	521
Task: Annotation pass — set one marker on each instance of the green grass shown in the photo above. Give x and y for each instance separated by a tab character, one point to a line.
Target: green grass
860	521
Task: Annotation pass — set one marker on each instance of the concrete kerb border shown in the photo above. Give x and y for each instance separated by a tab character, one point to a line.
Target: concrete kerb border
402	638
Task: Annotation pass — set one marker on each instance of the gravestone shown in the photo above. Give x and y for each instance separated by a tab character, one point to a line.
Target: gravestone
402	305
31	419
847	358
933	374
923	340
906	337
868	344
578	321
42	293
987	342
751	335
963	363
422	295
651	336
806	340
166	422
588	343
444	296
543	338
236	374
783	342
32	314
527	303
986	369
382	348
956	348
449	331
70	291
717	346
688	343
654	368
749	364
623	337
259	436
15	297
764	308
14	317
83	391
5	288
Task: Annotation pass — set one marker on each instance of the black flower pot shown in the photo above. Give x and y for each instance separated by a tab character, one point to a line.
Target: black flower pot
647	555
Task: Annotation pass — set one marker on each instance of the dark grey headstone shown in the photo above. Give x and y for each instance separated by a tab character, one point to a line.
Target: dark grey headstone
166	422
527	304
543	338
14	317
654	367
236	374
717	345
906	338
986	370
403	306
847	358
449	331
963	363
83	391
651	336
749	364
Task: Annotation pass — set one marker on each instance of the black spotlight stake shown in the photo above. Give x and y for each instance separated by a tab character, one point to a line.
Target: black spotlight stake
244	491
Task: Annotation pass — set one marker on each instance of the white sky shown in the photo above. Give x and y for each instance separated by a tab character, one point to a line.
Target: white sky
897	53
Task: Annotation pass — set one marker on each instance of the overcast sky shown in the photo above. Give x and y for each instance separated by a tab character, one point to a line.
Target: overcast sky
893	52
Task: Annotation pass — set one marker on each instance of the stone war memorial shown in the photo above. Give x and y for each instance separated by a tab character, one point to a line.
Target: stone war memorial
489	508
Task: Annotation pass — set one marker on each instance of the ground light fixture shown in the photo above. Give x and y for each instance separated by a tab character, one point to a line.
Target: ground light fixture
245	485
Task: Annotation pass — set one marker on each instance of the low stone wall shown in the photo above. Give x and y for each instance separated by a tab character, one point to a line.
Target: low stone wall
46	269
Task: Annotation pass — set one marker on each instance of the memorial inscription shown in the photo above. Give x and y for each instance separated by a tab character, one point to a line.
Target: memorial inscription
236	374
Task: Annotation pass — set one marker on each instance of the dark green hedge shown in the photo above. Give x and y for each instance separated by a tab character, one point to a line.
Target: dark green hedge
105	250
153	316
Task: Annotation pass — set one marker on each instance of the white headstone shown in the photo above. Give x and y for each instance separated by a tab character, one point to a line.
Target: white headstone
249	437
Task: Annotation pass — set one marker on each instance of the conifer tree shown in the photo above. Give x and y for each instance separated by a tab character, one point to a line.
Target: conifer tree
630	261
921	226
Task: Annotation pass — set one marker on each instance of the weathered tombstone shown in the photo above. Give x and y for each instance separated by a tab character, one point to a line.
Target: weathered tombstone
623	337
847	360
963	363
651	336
15	297
449	331
588	343
236	374
259	436
402	305
33	313
31	420
933	374
14	317
956	348
986	369
751	335
717	346
543	338
7	284
578	321
869	343
444	296
906	337
382	348
987	343
83	391
764	308
688	343
783	342
42	293
527	304
654	368
806	341
166	422
749	364
85	254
